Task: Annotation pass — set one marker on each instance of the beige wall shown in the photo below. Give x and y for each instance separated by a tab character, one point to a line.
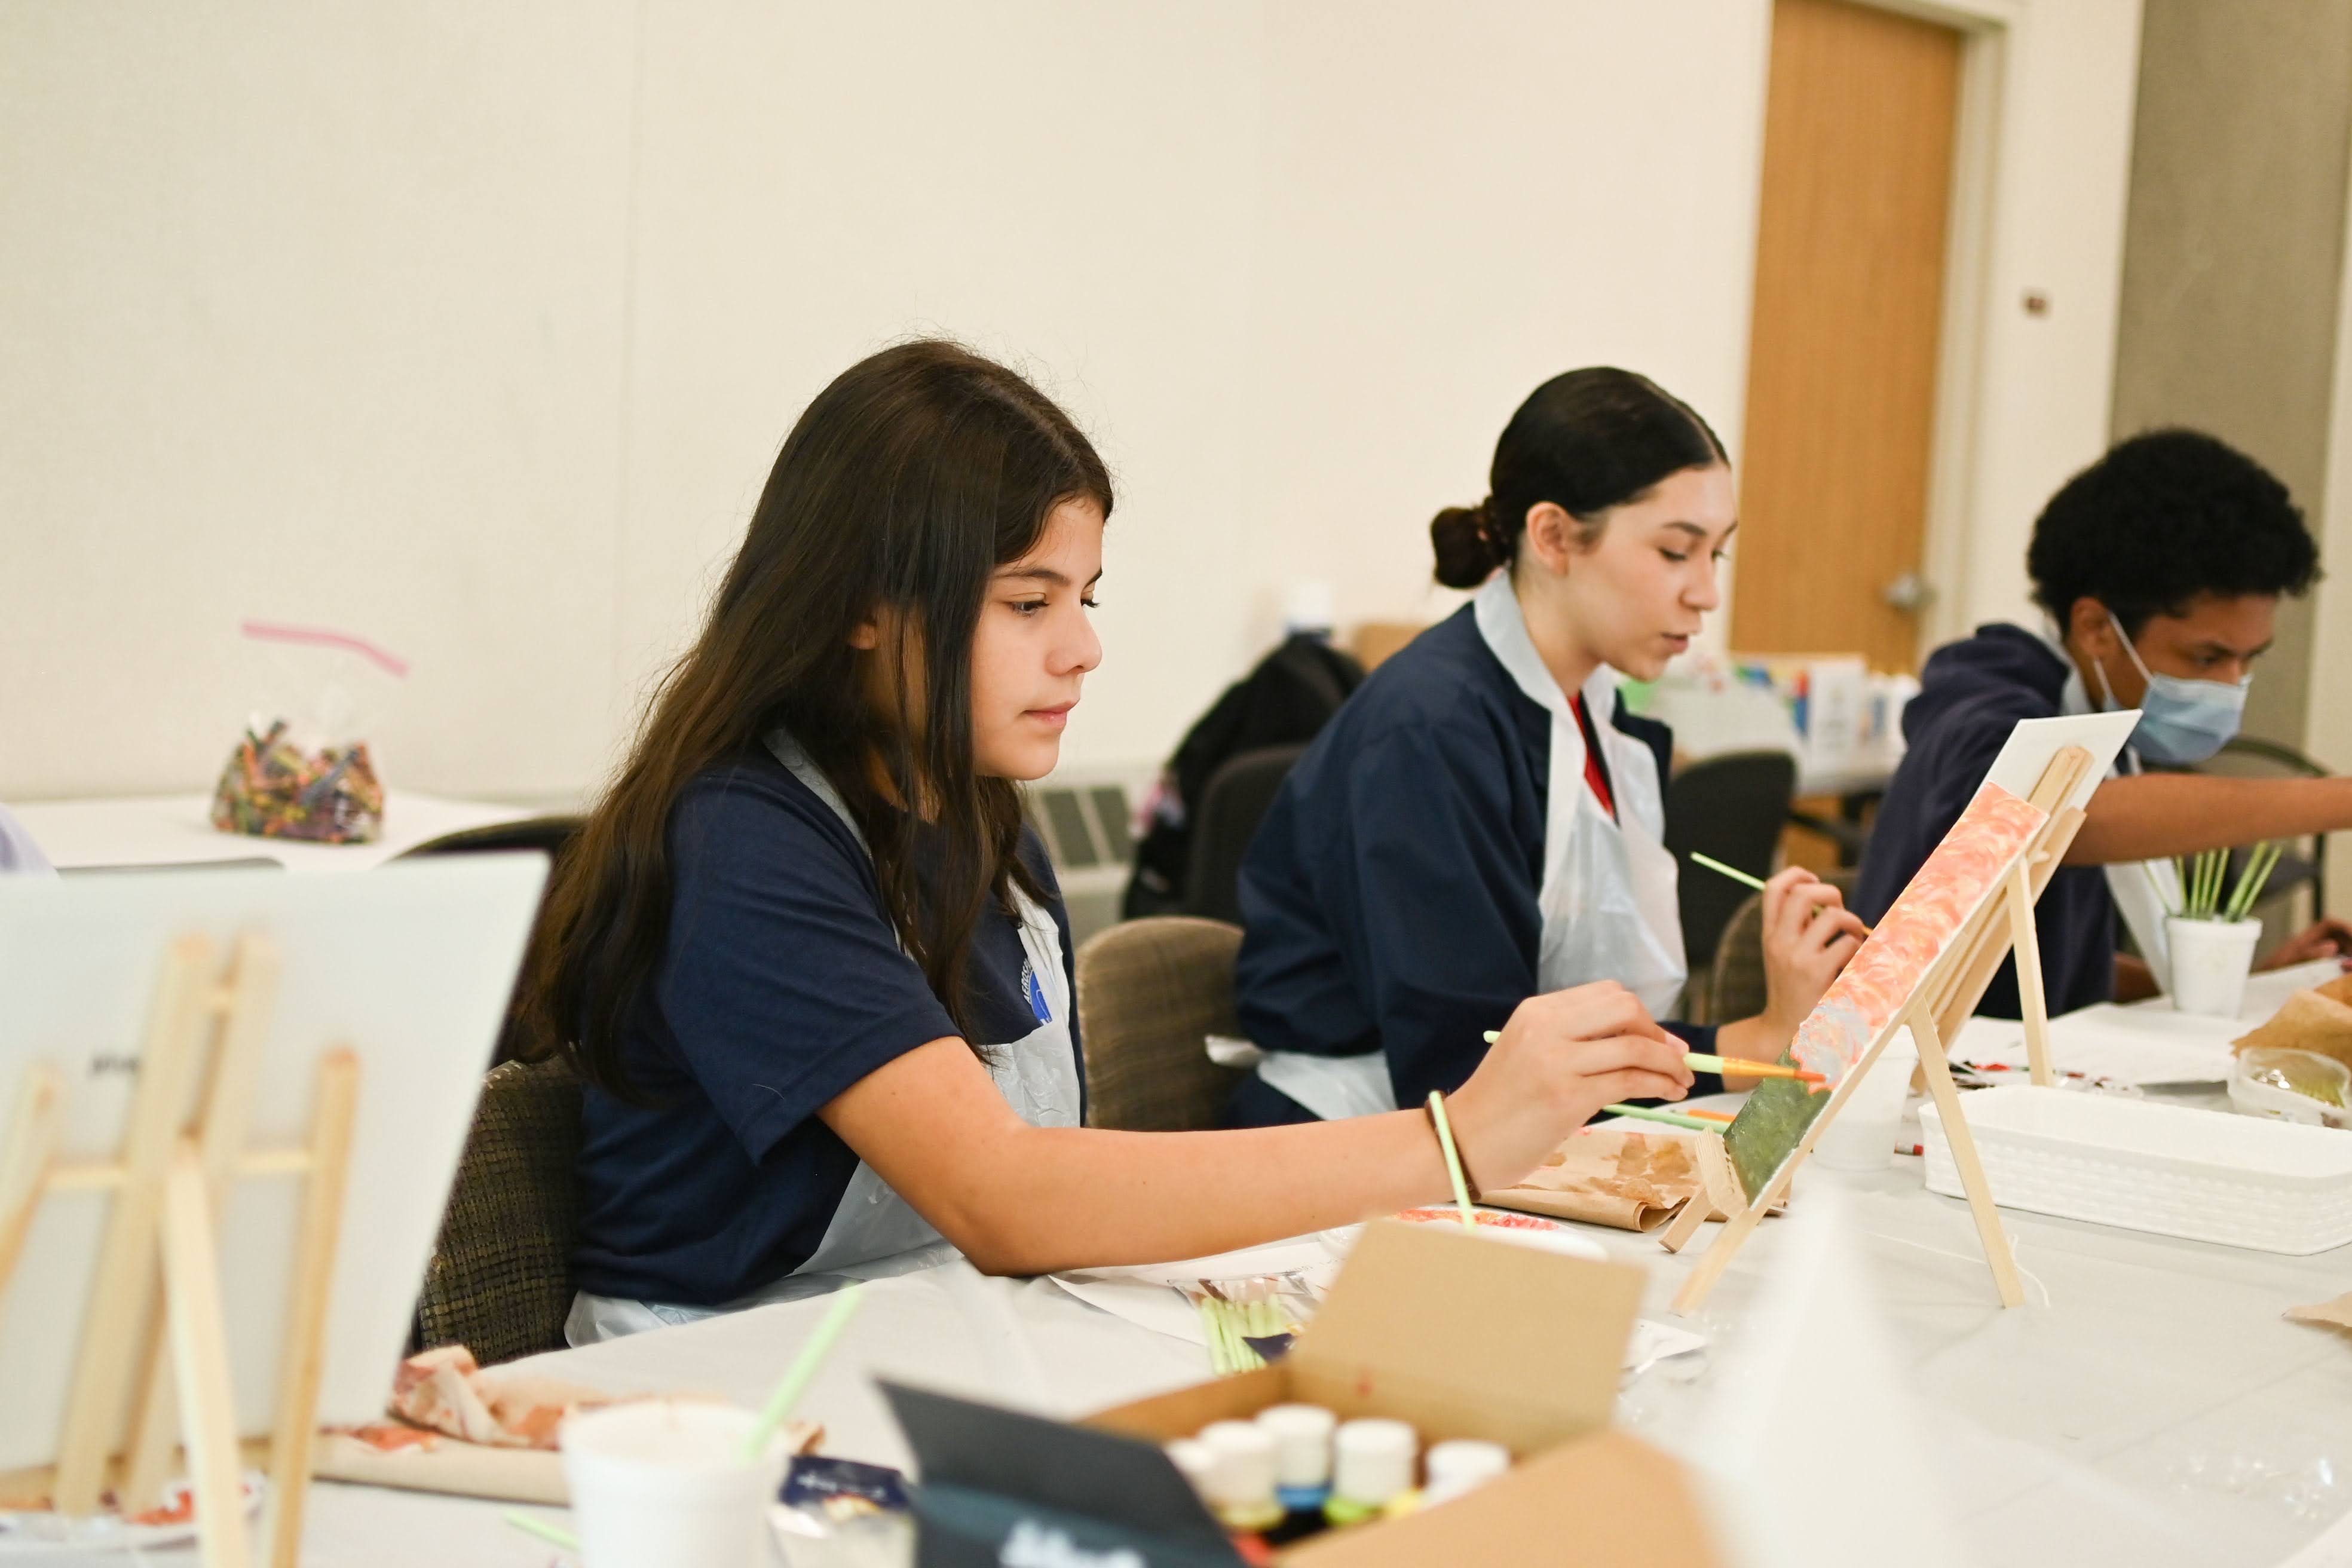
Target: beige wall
2234	256
473	329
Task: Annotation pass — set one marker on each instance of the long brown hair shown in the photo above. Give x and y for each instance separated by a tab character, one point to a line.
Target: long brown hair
901	490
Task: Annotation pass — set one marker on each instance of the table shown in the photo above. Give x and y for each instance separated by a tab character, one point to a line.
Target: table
2149	1404
177	830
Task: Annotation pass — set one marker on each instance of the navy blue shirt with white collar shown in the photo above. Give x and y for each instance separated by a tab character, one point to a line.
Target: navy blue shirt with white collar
1390	896
781	985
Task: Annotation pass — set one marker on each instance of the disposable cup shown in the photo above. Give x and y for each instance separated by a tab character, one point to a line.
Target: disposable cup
2210	959
1862	1137
660	1483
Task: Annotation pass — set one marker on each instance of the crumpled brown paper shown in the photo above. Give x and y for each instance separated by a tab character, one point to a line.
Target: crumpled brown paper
1632	1181
2319	1019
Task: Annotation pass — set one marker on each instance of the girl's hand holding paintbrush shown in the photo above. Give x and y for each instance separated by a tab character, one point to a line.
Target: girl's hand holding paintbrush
1809	935
1561	1059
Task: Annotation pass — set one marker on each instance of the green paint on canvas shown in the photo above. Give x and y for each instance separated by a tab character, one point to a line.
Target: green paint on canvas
1768	1128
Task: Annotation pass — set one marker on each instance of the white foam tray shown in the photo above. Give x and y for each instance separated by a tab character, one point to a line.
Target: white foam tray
2207	1175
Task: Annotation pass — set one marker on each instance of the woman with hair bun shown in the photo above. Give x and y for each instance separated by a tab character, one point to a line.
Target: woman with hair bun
1482	822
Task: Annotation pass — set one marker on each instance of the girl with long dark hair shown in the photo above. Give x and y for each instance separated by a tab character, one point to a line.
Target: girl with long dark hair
814	970
1483	822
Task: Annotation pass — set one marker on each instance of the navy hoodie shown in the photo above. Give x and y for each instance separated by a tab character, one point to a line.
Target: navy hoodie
1971	695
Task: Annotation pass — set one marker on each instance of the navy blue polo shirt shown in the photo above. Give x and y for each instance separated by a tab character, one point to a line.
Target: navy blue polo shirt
1971	695
781	985
1390	895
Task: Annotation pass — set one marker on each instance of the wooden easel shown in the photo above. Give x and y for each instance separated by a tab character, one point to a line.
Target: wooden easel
168	1371
1943	1000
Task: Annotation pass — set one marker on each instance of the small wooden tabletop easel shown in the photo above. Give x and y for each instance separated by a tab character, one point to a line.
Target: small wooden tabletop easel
168	1373
1938	1005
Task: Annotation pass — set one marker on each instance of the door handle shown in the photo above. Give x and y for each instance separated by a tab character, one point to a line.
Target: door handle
1908	592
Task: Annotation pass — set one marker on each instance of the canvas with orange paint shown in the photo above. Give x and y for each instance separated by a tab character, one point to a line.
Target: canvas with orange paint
1964	871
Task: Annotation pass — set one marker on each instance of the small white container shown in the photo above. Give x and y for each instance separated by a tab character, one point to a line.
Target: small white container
659	1483
2206	1175
1462	1465
2210	961
1862	1137
1373	1460
1302	1444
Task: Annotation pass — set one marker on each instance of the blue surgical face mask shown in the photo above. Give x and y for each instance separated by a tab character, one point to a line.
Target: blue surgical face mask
2181	721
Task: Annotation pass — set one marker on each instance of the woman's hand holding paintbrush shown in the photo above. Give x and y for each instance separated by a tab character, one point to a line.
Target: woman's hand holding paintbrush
1809	935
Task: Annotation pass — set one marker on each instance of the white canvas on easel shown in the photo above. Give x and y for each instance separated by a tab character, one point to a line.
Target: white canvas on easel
2138	901
410	968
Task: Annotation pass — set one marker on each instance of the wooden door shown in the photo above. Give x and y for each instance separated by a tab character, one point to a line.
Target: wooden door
1858	143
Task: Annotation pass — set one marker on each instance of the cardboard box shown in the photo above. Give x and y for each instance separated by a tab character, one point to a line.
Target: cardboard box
1461	1336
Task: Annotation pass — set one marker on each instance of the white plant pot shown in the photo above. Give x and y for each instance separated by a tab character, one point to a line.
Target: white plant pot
2210	961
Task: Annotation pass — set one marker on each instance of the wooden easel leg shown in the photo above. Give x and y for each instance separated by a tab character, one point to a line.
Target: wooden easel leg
1946	1094
122	1291
296	1422
1718	1193
243	1010
200	1352
25	1156
2027	946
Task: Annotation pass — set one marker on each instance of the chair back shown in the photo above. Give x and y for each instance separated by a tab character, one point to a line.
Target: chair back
499	1281
550	835
1734	982
1150	992
1732	807
1235	802
2248	756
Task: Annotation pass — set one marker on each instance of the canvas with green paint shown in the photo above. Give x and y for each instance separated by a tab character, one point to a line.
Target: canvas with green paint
1964	871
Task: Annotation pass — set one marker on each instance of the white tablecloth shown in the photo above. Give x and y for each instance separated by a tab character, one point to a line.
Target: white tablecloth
2149	1405
177	830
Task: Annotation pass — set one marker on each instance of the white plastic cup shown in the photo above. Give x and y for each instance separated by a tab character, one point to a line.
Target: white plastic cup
2210	959
1861	1139
660	1483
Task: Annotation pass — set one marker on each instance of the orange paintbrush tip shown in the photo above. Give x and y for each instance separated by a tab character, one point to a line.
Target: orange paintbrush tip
1710	1115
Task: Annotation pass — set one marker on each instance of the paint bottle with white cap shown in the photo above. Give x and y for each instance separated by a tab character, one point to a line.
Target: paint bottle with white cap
1371	1467
1239	1486
1462	1465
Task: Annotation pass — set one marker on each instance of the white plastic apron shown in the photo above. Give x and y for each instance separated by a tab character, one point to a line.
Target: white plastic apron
874	1233
1608	895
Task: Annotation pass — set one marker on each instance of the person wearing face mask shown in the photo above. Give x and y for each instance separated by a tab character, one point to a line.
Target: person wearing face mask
2159	570
1483	820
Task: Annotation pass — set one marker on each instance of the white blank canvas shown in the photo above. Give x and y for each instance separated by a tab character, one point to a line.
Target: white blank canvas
411	966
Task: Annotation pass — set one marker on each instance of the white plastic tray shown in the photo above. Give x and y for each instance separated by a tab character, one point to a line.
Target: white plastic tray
2206	1175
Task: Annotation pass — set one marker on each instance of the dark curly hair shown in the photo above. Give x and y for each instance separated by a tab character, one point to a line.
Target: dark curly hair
2164	518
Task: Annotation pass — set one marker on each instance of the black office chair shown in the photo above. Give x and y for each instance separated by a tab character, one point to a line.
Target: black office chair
550	835
1732	807
1231	808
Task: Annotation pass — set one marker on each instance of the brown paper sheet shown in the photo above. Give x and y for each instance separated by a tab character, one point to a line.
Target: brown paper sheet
1631	1180
2319	1020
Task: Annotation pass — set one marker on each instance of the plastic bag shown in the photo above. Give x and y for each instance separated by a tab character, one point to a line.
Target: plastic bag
301	771
2291	1085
